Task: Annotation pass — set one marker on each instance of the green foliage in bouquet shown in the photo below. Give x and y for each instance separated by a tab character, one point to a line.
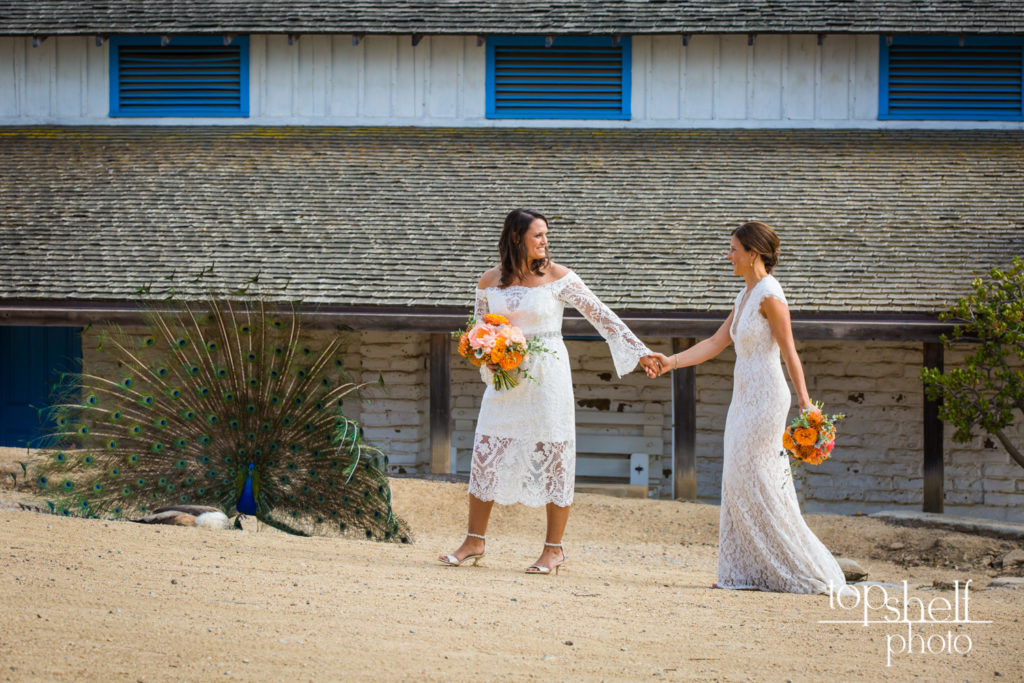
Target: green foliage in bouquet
988	392
223	403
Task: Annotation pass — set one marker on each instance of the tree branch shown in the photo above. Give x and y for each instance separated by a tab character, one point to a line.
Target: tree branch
1010	448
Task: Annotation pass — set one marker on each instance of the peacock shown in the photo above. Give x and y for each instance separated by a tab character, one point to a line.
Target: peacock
223	403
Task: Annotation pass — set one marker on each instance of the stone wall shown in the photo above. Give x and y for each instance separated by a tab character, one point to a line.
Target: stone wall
877	463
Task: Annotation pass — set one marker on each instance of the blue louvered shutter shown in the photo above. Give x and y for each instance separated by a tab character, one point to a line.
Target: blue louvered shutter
573	78
191	76
940	78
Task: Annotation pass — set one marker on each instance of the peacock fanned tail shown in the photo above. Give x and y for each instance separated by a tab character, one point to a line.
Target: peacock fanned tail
225	404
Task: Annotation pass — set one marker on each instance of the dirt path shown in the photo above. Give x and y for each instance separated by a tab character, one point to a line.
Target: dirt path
92	600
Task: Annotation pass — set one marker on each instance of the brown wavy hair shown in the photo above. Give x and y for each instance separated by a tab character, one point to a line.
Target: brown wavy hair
512	247
757	237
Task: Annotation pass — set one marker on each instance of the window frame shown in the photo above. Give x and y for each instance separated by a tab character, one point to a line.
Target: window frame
116	42
941	41
624	44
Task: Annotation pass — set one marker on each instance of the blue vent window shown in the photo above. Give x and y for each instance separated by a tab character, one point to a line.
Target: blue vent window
947	78
572	78
191	76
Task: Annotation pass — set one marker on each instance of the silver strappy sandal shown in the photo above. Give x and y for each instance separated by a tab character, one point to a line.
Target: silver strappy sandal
537	569
455	562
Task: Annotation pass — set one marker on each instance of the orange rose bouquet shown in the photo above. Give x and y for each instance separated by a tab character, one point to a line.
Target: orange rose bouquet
493	339
811	436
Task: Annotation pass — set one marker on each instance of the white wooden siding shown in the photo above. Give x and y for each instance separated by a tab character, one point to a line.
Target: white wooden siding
715	81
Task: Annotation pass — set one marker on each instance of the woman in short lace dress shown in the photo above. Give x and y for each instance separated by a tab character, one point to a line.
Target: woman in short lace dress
525	445
763	541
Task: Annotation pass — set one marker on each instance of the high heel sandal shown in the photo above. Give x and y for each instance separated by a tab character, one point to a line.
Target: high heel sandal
537	569
455	562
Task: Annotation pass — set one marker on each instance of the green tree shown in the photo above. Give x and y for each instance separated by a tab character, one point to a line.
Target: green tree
988	392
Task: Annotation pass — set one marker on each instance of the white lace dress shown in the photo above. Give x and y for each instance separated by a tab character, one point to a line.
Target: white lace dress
525	445
764	542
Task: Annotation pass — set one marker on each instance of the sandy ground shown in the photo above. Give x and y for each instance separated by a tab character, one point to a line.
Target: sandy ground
95	600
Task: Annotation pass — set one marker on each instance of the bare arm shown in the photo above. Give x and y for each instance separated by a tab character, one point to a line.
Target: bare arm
701	351
782	329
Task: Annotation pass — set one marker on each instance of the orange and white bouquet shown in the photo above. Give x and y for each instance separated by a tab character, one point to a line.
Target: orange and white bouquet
811	436
493	339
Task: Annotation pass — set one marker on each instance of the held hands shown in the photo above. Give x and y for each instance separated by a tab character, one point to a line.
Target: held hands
656	364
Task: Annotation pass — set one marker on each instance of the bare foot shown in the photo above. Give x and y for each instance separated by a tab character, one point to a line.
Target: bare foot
470	546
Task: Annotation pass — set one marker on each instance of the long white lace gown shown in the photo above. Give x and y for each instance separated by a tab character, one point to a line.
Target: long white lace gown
525	445
764	543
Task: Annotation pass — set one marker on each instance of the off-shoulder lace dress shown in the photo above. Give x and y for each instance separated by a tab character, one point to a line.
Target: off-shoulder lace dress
525	445
764	542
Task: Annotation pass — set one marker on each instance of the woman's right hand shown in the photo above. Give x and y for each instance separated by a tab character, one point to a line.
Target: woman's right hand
493	367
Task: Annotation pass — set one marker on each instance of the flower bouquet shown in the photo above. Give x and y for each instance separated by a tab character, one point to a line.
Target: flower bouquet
811	436
493	339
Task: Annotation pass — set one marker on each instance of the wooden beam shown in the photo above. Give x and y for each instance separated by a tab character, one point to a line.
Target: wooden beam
440	404
684	427
933	467
838	327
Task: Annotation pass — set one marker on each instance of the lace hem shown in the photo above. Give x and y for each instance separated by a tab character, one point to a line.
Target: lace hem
509	470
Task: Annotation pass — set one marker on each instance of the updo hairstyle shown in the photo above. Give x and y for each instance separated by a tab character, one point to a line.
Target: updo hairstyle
757	237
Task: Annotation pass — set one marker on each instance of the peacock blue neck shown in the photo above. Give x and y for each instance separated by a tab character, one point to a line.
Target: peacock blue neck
246	504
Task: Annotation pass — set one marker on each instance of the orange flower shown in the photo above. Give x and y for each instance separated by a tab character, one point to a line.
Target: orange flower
804	453
511	360
805	436
814	418
495	319
498	352
464	346
787	441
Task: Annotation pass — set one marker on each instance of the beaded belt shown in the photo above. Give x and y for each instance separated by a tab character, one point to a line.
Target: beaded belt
549	334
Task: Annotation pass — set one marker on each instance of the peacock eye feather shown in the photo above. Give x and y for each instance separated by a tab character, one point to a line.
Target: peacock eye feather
181	343
203	391
43	481
181	443
68	485
157	447
174	393
91	400
188	415
116	415
133	458
147	400
229	397
135	429
250	408
194	370
204	439
161	371
212	346
140	482
222	373
212	419
126	382
111	444
60	457
235	424
148	341
160	422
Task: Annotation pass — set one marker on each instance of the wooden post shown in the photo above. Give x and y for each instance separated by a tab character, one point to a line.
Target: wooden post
933	473
684	427
440	404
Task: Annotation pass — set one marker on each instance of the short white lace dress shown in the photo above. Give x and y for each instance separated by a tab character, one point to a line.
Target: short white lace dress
525	445
764	543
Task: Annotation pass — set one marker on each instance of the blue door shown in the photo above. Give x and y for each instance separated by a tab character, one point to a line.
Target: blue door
31	362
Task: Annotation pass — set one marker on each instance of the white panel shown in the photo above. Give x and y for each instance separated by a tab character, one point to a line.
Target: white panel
304	52
732	78
866	78
699	77
666	63
39	74
8	79
346	67
834	102
769	53
378	76
257	76
405	78
68	93
474	80
640	71
442	78
97	79
799	77
279	76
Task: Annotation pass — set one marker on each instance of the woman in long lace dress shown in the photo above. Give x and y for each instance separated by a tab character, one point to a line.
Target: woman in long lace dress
763	541
525	445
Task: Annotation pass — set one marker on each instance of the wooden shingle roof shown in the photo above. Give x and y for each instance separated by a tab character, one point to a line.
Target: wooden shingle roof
871	221
20	17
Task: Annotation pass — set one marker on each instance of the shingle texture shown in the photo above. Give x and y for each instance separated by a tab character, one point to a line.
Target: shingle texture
870	221
22	17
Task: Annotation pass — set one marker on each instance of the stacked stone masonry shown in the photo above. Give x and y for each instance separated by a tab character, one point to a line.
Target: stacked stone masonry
877	463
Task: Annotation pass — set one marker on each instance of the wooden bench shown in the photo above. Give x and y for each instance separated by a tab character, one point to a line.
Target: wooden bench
603	452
